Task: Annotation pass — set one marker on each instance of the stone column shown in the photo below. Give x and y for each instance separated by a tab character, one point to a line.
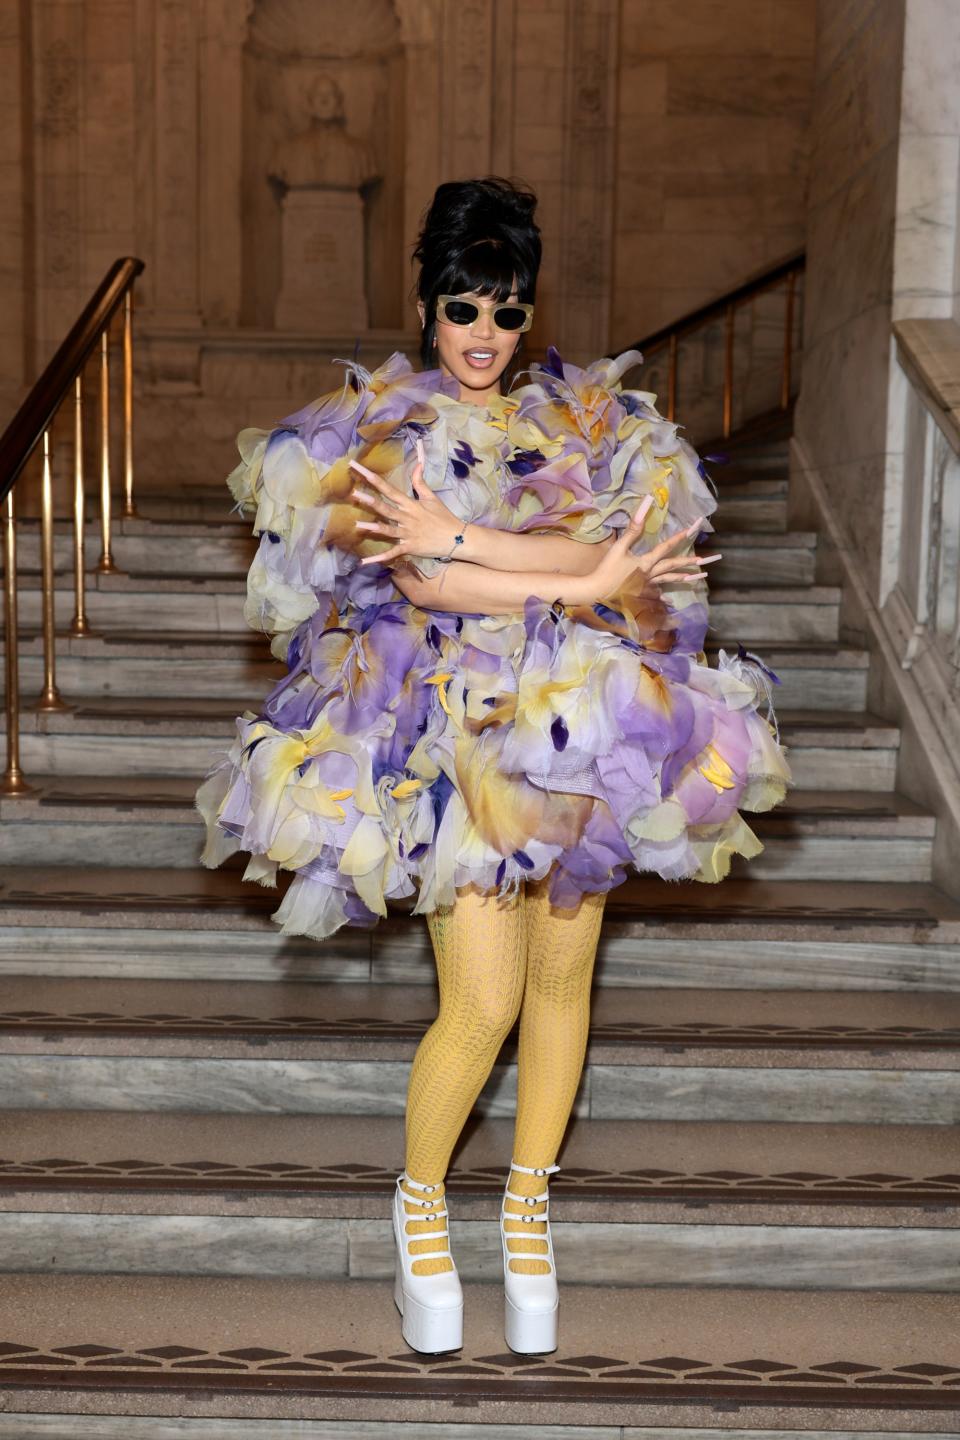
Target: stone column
589	156
467	50
58	166
420	28
223	30
16	319
176	231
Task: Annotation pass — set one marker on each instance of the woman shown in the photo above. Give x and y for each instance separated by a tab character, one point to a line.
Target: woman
490	702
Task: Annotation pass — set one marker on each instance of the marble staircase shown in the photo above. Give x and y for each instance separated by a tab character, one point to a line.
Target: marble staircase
756	1222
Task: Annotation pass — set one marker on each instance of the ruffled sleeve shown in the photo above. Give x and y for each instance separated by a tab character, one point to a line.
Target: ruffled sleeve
295	480
588	452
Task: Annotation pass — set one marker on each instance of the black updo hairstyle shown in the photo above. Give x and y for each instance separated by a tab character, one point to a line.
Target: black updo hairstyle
477	235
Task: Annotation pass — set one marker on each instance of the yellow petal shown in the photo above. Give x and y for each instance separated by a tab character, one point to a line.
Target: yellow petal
663	823
717	771
440	682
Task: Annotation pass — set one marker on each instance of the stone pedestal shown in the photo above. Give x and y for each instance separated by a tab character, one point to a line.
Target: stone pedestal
322	259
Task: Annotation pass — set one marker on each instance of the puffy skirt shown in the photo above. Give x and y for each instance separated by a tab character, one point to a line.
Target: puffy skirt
410	752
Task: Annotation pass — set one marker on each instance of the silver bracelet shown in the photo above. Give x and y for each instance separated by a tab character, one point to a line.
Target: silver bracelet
457	540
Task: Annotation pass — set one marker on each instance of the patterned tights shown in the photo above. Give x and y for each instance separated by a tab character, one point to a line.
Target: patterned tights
495	960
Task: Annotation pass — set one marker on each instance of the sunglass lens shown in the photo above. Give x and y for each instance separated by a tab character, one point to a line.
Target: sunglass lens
509	317
461	312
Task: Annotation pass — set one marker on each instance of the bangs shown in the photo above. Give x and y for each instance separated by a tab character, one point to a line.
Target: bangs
487	267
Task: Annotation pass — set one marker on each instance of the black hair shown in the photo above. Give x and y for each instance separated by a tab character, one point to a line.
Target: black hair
477	235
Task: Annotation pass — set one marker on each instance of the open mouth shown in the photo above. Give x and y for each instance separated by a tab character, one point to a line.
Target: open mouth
480	357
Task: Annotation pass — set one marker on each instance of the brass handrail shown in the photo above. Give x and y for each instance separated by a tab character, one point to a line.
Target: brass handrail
725	308
31	427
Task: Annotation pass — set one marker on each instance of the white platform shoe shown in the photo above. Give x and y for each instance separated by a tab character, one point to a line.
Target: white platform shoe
531	1302
431	1305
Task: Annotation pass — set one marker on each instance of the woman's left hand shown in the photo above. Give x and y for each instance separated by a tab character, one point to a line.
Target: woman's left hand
419	526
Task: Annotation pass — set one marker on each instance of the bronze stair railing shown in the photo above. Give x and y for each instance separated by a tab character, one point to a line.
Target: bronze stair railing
30	428
725	308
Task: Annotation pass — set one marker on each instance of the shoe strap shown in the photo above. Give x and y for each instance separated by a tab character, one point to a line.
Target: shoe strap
538	1199
418	1184
434	1214
534	1169
434	1235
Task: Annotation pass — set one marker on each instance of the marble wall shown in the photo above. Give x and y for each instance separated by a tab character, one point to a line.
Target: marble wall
882	245
713	140
667	144
16	274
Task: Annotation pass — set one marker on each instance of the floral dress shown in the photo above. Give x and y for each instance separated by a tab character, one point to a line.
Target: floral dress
410	751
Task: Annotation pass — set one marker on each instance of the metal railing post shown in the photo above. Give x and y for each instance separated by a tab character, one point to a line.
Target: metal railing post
79	625
728	372
129	508
105	565
50	698
12	781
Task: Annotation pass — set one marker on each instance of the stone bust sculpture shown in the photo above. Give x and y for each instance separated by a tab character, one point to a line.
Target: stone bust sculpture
324	156
323	177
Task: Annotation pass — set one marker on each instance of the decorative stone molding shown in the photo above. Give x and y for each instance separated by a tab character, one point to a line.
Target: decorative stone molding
467	78
589	157
59	99
298	30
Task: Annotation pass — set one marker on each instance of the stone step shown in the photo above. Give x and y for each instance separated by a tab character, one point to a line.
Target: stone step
148	547
765	1206
758	614
346	1050
194	664
191	602
192	503
152	820
837	750
154	547
72	1426
756	505
341	1167
748	935
141	735
813	674
305	1349
755	558
380	1017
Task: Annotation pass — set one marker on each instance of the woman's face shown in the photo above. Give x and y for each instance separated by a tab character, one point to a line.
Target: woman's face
476	354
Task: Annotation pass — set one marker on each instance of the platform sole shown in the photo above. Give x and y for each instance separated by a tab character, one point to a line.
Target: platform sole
424	1327
530	1332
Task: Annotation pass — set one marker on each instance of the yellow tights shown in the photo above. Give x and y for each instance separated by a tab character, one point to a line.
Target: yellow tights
497	959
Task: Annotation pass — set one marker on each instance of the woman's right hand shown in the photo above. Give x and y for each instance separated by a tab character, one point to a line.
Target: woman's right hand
661	565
